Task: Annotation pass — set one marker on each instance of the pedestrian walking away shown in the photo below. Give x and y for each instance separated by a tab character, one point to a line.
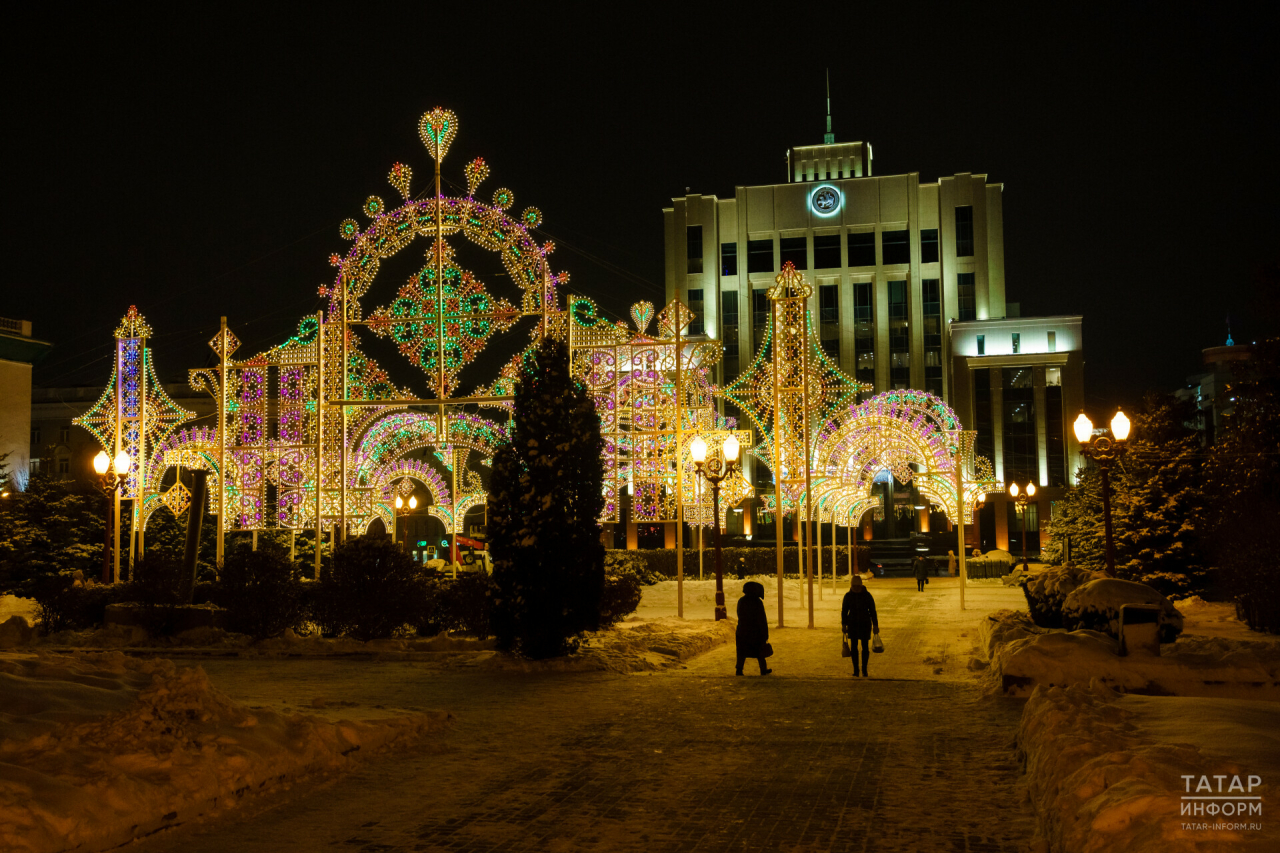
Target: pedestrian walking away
753	627
920	568
858	619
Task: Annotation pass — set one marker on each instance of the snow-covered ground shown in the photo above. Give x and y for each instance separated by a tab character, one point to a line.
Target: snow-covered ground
1110	772
97	749
1216	655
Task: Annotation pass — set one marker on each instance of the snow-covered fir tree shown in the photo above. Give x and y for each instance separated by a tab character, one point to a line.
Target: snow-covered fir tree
546	499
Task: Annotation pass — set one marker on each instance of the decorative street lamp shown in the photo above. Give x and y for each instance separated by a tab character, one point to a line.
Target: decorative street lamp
1022	498
111	475
403	509
715	472
1105	450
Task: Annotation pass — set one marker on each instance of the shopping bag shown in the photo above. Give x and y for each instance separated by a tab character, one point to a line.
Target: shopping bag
766	651
877	645
926	581
845	651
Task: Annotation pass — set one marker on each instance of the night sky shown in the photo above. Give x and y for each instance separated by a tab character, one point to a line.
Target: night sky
198	164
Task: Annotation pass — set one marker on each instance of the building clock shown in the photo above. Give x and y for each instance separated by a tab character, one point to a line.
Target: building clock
825	201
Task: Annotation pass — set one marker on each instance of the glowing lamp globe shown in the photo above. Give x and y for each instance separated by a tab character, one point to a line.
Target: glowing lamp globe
122	462
698	450
413	503
1120	426
101	462
399	502
1013	489
1031	490
731	449
1083	428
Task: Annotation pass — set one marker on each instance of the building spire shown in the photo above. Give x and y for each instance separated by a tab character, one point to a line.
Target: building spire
828	137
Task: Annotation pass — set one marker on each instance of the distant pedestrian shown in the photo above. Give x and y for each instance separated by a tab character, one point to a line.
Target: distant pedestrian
920	569
858	618
753	627
952	571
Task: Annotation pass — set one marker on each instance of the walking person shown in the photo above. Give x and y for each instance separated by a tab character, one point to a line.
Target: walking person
920	569
858	618
753	627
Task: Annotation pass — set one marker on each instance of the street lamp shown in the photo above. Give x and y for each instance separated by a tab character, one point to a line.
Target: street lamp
1105	450
715	472
111	475
403	509
1022	498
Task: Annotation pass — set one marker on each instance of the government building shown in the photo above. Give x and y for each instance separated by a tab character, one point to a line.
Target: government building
909	291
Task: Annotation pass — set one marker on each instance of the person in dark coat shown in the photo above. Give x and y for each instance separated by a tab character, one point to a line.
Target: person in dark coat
753	626
920	569
858	618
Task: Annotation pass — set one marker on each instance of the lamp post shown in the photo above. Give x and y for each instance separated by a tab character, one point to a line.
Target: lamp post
1105	449
403	509
111	474
1022	498
715	472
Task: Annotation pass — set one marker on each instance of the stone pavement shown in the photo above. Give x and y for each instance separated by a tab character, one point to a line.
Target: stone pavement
807	759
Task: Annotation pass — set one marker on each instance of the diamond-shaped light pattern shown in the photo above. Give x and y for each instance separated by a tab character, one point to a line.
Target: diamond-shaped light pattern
177	499
233	344
471	316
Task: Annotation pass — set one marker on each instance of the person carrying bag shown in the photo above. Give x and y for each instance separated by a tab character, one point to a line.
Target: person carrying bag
858	618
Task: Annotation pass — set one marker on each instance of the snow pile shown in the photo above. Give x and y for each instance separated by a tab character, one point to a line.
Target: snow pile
634	646
1096	605
1023	657
1106	772
1047	591
98	749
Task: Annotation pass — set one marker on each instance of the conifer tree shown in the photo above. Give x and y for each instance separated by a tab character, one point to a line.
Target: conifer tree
546	501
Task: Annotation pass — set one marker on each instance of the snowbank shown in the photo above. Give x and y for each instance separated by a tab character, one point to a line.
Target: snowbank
1023	656
634	646
98	749
1105	772
1096	605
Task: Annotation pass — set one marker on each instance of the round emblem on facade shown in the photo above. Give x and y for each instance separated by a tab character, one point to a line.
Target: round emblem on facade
825	201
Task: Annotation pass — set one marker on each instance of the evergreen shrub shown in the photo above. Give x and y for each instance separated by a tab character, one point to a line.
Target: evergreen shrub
261	591
373	591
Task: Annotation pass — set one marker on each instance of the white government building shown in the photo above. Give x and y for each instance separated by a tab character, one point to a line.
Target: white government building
909	292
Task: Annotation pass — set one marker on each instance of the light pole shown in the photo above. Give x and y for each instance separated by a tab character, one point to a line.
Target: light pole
1105	450
715	472
111	474
1022	498
403	509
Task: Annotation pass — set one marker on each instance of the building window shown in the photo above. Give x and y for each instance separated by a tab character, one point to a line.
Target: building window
759	256
829	320
64	465
964	232
694	253
64	435
728	259
931	293
982	344
896	247
729	331
1052	340
985	443
697	326
826	252
864	331
929	245
760	308
35	436
1021	459
795	250
1017	342
899	336
1055	428
967	296
862	249
1016	517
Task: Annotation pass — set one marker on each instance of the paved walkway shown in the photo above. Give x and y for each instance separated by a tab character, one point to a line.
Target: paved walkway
807	759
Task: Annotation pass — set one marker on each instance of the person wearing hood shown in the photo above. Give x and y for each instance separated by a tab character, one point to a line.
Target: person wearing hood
920	568
858	618
753	626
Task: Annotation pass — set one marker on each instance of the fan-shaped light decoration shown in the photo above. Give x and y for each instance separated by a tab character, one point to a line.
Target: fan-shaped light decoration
642	315
373	206
349	229
437	129
503	198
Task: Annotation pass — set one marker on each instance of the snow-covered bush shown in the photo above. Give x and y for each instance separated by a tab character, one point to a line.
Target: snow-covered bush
374	590
468	603
69	605
1047	591
1095	606
620	598
741	562
261	591
618	562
